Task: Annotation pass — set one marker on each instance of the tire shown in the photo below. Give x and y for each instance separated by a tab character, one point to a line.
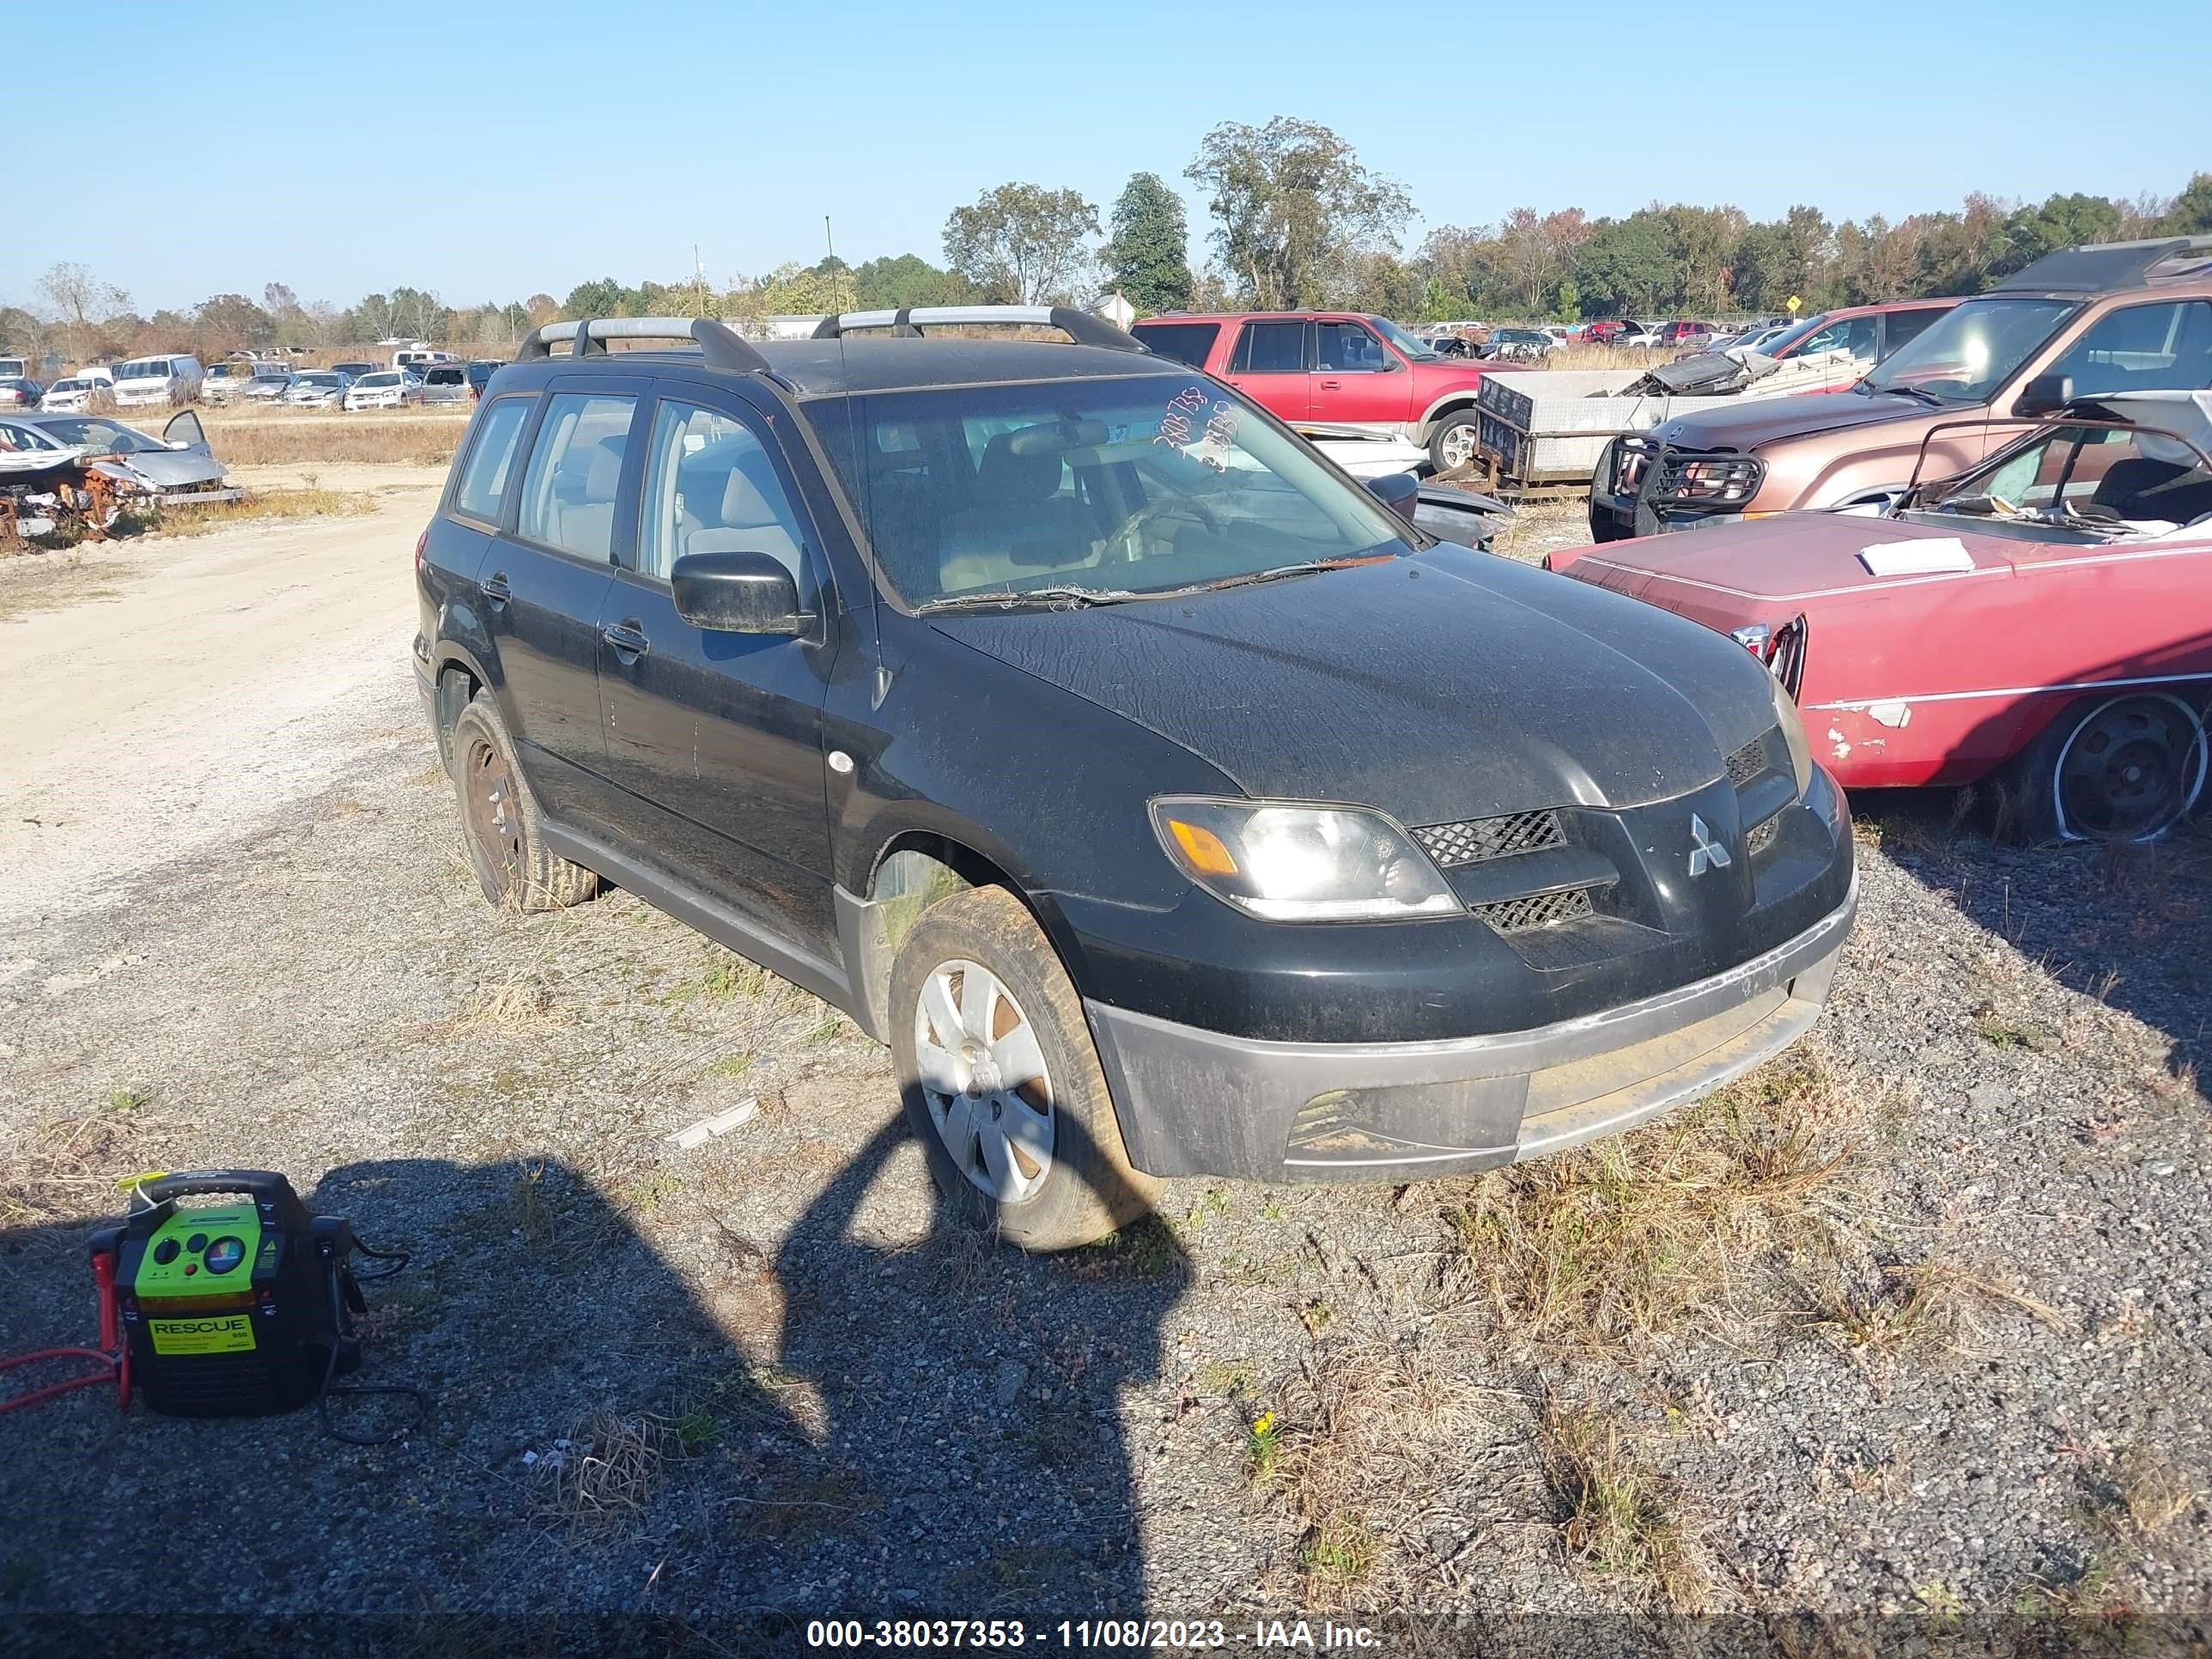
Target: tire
2127	769
1047	1179
500	824
1454	433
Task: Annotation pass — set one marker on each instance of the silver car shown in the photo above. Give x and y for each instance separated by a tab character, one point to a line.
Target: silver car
176	468
317	388
271	381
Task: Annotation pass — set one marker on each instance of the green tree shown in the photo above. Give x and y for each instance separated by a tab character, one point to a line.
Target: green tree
603	298
1148	257
1627	268
1292	206
907	279
1022	244
2061	222
2191	212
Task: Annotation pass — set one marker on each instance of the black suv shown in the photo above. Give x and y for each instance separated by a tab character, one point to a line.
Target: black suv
1166	801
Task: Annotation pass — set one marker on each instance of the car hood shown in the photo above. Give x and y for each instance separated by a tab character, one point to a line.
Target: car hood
167	468
1792	559
1746	426
1451	685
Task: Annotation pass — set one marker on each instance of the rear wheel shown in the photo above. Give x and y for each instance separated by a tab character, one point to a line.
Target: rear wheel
2114	768
500	824
1001	1080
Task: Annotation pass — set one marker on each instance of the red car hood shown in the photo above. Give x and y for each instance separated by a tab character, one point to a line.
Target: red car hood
1757	566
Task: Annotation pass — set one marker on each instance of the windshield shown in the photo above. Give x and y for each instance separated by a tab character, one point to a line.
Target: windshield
378	380
1974	350
150	369
1118	487
2098	480
1417	350
316	379
105	436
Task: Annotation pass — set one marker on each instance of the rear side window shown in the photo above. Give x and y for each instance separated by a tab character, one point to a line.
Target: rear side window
491	460
2154	348
568	492
1271	348
1187	343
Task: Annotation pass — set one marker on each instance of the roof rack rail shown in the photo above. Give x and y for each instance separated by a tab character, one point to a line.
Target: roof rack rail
2104	267
1080	326
722	345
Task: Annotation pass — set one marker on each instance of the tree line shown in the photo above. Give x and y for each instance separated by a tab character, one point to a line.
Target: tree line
1296	220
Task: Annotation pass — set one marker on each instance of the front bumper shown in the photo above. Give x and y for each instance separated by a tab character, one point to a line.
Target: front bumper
1193	1101
1637	490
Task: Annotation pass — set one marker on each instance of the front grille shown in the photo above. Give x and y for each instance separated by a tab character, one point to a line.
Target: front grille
1477	839
1747	762
1522	915
1762	836
1719	480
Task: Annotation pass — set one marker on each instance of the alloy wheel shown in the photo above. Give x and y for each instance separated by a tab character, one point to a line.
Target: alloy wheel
983	1075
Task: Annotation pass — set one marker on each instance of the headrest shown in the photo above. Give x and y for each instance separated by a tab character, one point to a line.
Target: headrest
745	502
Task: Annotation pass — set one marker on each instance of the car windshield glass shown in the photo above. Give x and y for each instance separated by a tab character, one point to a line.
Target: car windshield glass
1398	336
1118	488
1972	351
154	368
319	380
2096	480
104	435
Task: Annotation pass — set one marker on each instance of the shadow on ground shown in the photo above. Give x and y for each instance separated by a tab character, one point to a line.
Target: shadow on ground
770	1427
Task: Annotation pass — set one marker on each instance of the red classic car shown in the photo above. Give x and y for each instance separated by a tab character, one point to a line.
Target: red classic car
2044	618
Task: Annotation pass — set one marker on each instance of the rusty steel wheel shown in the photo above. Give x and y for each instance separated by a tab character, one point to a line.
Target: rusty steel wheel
500	821
494	820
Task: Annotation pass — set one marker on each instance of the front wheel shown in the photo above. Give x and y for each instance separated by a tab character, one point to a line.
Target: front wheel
1451	441
1001	1080
2126	768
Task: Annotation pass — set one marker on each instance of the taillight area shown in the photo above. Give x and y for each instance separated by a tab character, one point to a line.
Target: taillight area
421	542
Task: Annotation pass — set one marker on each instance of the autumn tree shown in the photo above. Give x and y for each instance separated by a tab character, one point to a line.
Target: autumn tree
1022	244
85	302
1292	206
1148	257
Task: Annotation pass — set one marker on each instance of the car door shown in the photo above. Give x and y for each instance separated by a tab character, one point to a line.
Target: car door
1357	380
1269	362
720	734
543	583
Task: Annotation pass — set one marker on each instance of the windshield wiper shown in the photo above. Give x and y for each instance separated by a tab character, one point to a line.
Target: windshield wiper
1076	598
1920	392
1309	567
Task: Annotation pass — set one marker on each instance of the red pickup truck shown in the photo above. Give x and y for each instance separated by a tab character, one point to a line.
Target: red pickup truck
1334	371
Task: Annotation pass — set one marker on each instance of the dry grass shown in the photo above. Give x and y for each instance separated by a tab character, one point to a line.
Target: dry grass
1616	1517
1649	1232
1581	356
1927	1305
1365	1443
273	505
607	1474
426	440
69	1170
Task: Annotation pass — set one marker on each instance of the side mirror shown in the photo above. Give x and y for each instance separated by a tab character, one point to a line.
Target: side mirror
739	592
1398	491
2046	394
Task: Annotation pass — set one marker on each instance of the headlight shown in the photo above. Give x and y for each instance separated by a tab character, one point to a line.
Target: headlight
1793	733
1289	862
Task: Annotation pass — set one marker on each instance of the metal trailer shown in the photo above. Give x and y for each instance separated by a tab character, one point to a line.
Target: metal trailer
1551	427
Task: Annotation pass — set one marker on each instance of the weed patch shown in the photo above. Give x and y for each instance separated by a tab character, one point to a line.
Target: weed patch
1617	1517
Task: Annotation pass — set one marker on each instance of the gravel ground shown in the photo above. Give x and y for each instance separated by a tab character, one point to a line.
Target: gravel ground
765	1373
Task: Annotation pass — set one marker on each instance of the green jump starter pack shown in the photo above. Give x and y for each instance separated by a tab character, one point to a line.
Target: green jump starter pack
235	1309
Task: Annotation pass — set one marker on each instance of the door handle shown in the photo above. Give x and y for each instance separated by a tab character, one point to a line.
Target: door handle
627	639
1331	386
495	590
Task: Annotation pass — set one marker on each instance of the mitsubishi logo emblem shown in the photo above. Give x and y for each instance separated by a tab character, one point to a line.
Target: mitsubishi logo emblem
1705	850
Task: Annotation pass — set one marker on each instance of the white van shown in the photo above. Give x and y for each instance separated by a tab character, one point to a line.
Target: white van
157	381
421	357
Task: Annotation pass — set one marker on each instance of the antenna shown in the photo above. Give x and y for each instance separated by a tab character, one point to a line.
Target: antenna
860	473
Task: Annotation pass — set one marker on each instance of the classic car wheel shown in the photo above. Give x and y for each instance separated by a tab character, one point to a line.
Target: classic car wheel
2123	769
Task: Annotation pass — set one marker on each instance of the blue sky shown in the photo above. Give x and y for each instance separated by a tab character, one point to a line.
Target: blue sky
491	150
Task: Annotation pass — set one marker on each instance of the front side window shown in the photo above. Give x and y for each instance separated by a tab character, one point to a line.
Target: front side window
569	491
491	459
710	488
1853	334
1974	350
1347	347
2157	348
1116	488
1406	343
1271	348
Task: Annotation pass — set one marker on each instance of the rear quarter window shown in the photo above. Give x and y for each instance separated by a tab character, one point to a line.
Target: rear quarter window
1187	343
490	461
